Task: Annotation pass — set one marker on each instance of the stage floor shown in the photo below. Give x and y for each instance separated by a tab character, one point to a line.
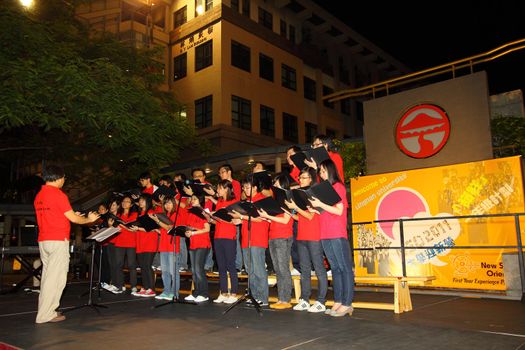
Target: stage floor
437	322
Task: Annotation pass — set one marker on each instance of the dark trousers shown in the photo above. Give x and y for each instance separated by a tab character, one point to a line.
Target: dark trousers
226	253
103	263
200	282
145	260
121	254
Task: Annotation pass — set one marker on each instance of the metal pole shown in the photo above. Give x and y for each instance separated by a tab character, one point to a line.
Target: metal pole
520	256
402	239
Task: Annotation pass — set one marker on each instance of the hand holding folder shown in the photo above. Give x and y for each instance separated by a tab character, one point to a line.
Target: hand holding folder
180	230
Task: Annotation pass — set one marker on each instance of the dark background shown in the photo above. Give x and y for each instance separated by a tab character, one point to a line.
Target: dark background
429	33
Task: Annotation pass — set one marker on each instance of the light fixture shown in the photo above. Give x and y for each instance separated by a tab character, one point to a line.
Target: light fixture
26	3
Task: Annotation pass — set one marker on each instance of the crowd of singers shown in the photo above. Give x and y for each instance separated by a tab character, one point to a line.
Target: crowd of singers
316	234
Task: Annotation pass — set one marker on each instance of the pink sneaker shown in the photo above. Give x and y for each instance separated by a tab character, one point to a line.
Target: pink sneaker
148	293
140	293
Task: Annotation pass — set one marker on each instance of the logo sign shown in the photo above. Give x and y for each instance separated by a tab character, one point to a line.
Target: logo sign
422	131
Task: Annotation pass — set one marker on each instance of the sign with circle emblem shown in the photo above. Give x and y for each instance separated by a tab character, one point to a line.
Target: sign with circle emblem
422	131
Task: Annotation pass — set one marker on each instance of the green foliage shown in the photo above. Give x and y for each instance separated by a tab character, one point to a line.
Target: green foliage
354	158
90	103
508	136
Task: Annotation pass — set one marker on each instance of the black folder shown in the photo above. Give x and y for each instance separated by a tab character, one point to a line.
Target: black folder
145	222
269	205
118	221
280	195
324	192
261	179
199	211
244	208
318	155
180	188
163	191
164	218
300	197
180	231
298	159
223	215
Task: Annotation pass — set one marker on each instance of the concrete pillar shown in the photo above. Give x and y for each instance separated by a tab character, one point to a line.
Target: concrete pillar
278	162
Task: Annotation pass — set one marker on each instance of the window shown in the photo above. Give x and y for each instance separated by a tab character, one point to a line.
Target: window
202	6
179	66
310	131
309	89
241	113
246	8
288	78
180	17
265	18
283	28
330	133
290	127
203	112
345	106
265	67
234	4
291	29
204	55
267	121
327	91
241	56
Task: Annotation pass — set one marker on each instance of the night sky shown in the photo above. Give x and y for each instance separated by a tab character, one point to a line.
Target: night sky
423	35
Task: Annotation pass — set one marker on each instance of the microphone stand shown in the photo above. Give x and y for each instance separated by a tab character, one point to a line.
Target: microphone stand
248	294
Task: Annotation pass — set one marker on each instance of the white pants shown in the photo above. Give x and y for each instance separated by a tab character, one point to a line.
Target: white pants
55	260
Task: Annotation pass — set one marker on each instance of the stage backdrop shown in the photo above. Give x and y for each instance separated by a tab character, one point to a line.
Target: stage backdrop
486	187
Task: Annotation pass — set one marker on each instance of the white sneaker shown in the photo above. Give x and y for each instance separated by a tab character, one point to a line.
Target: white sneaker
329	273
294	272
317	307
200	299
302	305
190	298
230	300
221	299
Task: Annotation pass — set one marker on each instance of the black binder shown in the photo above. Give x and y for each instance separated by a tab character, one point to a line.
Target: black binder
145	222
300	197
222	215
180	231
298	159
280	195
199	211
269	205
164	218
318	155
244	208
163	191
261	179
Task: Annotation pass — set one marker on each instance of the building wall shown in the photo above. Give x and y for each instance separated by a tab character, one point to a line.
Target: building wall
465	100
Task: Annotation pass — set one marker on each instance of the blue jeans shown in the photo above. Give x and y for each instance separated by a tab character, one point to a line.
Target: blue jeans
183	255
238	257
280	252
170	273
257	272
338	254
311	253
200	282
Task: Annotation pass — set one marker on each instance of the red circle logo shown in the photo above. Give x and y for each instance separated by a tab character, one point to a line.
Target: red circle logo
422	131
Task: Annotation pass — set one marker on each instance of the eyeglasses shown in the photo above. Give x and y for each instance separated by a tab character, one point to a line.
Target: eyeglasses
316	144
304	177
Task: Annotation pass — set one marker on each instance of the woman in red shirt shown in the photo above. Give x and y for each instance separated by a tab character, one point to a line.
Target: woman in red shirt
125	246
226	245
200	245
169	248
147	242
280	245
310	250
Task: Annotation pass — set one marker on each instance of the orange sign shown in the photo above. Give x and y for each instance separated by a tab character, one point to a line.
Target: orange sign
426	201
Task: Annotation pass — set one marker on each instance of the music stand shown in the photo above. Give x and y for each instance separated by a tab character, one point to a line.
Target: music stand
248	293
96	237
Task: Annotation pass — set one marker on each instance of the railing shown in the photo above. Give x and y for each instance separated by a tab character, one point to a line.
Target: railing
453	67
403	247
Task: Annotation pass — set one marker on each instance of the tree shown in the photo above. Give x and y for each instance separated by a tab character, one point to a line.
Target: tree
89	102
354	158
508	136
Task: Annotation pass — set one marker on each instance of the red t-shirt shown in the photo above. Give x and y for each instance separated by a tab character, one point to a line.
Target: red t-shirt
334	226
338	161
50	206
224	230
147	241
294	174
149	190
259	230
201	240
278	230
308	230
167	242
236	189
126	238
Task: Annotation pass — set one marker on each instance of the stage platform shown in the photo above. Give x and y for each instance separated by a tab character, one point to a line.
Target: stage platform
436	322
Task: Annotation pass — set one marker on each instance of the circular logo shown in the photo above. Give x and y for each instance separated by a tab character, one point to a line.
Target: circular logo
422	131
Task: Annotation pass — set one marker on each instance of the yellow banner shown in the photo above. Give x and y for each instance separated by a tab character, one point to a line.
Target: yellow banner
487	187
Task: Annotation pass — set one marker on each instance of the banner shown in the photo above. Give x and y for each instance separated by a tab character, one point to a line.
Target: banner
487	187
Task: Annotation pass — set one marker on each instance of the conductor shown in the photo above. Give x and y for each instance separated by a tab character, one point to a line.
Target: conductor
53	216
